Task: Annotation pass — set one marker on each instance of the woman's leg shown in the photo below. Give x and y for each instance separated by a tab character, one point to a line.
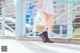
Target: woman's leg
45	35
43	38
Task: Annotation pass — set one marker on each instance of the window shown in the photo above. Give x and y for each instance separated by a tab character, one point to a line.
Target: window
64	29
56	29
0	25
0	4
54	2
0	7
0	14
0	10
31	23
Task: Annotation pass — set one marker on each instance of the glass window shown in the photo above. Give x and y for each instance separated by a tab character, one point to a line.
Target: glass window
0	14
56	29
0	25
64	29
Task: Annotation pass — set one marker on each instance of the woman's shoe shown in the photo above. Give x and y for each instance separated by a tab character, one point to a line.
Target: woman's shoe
50	41
44	41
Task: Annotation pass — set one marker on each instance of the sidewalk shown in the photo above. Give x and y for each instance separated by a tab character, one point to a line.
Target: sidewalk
17	46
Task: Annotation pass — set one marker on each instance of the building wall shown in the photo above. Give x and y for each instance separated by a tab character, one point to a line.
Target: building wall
10	8
0	8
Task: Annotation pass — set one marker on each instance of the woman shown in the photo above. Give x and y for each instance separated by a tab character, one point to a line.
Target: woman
44	18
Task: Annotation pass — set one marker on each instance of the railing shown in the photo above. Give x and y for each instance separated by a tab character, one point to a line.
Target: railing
8	27
66	12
